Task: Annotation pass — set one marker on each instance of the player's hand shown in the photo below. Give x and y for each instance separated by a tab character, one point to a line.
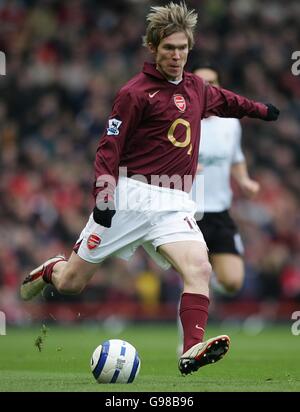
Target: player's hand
103	213
249	187
272	113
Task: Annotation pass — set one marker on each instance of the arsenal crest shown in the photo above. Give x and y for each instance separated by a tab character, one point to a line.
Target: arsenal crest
180	102
93	241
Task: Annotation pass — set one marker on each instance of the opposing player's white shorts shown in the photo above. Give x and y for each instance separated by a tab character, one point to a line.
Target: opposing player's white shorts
146	215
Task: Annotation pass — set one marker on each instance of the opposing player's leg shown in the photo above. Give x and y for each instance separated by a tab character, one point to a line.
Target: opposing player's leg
68	276
229	269
190	259
226	250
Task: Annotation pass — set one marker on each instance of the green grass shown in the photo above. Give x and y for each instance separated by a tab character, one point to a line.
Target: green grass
267	362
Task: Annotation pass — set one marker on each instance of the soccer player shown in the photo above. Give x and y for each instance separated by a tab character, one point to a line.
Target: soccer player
145	163
220	157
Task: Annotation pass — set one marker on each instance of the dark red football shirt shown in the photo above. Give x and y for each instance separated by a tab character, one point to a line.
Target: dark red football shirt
154	126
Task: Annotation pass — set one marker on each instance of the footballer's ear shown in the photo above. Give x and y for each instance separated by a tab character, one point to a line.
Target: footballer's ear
152	48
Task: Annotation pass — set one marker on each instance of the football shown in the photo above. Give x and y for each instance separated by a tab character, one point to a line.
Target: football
115	361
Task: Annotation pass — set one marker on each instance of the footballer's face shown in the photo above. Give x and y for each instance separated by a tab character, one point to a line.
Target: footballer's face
171	55
209	75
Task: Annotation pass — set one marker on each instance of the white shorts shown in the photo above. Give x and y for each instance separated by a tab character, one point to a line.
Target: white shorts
139	223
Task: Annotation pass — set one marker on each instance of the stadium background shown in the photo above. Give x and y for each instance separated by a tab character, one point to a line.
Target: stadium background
65	62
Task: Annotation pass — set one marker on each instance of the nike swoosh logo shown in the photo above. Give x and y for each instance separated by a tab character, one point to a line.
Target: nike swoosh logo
151	95
199	327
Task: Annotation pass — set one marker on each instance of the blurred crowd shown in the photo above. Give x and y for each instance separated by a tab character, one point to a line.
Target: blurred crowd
65	62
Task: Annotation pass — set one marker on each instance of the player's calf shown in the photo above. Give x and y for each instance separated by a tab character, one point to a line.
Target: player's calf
70	283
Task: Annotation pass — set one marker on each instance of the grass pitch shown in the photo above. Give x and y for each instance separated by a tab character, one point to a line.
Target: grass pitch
267	362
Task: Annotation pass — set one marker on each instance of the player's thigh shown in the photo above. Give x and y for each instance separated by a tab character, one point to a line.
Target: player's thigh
185	256
228	267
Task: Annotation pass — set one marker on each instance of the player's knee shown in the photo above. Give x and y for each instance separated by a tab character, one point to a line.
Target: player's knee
205	269
233	286
201	268
70	284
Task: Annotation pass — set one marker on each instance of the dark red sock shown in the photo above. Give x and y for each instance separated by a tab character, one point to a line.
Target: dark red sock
47	275
193	313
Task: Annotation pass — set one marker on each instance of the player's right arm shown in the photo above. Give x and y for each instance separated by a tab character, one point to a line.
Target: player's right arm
122	122
248	186
239	169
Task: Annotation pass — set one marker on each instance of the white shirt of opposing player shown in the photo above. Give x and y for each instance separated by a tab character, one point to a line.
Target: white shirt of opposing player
220	148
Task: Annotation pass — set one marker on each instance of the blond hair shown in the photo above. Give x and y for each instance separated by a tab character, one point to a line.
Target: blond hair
166	20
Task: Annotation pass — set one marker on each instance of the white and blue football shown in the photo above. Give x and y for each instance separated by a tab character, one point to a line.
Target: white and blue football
115	361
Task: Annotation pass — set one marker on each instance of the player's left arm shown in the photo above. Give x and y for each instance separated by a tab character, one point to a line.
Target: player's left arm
224	103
